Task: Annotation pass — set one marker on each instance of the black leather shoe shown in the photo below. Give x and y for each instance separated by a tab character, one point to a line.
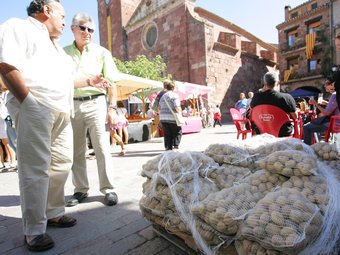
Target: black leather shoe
63	222
42	242
77	198
111	199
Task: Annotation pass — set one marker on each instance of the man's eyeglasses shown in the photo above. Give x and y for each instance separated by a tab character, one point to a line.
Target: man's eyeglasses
85	28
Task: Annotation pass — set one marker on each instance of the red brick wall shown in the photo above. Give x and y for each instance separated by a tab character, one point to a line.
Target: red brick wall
120	12
251	47
171	43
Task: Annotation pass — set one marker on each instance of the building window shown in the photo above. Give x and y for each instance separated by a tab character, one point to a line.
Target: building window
314	6
293	65
291	37
294	15
313	27
150	35
314	65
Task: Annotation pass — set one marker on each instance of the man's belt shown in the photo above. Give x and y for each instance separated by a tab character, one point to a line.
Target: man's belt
88	97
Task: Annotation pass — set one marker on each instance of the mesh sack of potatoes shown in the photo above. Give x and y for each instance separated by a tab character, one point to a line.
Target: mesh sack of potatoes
155	190
270	144
225	210
230	154
334	167
264	181
289	163
283	220
191	189
313	187
225	175
153	206
326	151
151	167
151	217
327	241
173	166
249	247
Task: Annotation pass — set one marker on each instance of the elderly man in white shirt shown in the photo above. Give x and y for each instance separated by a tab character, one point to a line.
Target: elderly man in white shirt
36	71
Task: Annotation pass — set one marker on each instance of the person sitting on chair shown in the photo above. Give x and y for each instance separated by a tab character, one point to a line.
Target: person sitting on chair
268	95
321	124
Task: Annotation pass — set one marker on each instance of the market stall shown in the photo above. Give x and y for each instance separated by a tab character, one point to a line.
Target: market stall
192	93
139	127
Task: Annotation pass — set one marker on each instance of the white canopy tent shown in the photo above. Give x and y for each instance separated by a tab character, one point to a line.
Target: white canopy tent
129	84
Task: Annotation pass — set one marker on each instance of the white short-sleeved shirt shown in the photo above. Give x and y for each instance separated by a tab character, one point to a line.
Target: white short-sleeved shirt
46	69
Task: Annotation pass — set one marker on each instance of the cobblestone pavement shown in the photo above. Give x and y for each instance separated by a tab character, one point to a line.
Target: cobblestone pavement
116	230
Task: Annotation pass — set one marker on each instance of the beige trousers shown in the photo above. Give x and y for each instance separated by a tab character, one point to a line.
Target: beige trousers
44	151
91	115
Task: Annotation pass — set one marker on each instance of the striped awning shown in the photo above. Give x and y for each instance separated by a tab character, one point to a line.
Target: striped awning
310	43
286	75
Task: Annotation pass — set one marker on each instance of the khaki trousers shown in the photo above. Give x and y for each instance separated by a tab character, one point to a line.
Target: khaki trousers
44	152
91	115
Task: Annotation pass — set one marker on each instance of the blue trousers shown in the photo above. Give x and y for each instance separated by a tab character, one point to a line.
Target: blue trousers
310	128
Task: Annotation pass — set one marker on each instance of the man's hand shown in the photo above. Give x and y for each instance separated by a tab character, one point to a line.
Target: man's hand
112	117
99	81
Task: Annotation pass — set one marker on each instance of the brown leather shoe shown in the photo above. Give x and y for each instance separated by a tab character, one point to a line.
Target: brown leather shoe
42	242
63	222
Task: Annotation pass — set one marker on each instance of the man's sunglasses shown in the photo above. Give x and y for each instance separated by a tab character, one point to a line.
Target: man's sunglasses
85	28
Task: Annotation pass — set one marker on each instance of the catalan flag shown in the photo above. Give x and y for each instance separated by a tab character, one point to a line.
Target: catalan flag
310	43
286	75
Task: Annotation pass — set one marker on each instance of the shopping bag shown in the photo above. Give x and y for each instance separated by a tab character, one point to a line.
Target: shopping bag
179	118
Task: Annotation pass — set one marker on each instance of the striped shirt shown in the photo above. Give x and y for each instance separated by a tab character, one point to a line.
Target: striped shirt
165	115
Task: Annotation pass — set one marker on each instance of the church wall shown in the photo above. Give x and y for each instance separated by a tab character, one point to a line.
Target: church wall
171	42
233	66
200	51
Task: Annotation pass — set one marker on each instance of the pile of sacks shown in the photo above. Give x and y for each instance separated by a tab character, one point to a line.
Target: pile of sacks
266	195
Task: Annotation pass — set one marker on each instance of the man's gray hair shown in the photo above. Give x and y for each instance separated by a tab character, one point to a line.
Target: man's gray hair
82	17
36	6
270	79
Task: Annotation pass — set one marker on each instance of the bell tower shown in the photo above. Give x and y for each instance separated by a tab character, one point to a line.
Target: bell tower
113	15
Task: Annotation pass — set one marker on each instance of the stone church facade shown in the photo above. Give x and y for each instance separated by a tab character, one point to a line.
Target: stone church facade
198	46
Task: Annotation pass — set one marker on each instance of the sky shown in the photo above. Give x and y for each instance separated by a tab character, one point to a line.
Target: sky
257	17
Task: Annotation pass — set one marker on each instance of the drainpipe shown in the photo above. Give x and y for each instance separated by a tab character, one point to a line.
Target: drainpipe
332	44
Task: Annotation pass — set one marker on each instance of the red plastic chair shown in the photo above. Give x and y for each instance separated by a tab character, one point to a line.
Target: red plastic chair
240	123
334	127
269	119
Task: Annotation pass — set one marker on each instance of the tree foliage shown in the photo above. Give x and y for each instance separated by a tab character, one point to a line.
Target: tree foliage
153	69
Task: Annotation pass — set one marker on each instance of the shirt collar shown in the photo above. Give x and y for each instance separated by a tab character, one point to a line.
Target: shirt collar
38	24
87	47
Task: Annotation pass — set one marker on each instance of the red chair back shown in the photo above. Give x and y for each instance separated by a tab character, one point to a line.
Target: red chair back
269	118
334	127
236	114
240	123
242	110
